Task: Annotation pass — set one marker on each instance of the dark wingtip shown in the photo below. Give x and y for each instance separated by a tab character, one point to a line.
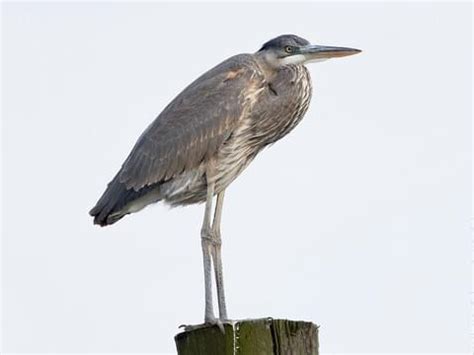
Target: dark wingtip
111	206
103	219
93	211
99	218
99	222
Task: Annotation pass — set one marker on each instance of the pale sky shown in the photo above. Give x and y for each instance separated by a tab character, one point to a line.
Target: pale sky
359	220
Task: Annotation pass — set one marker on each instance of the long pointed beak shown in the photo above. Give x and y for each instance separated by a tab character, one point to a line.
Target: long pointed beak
323	52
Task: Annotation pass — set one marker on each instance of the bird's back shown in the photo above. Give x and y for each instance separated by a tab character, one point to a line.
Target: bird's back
228	115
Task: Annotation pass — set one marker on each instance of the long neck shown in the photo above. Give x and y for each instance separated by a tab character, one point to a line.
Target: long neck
295	82
282	106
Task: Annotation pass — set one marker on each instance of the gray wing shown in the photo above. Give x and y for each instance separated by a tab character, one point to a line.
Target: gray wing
193	126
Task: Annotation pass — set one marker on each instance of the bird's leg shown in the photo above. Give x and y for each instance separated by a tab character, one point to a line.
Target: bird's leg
216	256
206	243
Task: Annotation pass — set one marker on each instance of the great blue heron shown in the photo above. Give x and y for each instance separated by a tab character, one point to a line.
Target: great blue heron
207	136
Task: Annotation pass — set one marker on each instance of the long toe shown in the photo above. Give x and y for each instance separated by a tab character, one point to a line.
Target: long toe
191	327
218	322
209	322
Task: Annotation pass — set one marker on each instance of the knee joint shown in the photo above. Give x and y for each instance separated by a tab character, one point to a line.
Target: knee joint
211	237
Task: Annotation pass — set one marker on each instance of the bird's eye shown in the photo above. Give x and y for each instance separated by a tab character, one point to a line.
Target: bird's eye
288	49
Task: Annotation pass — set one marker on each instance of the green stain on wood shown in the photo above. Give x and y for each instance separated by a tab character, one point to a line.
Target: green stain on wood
251	337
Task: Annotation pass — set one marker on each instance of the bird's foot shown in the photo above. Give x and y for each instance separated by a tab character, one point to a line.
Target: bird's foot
209	322
218	322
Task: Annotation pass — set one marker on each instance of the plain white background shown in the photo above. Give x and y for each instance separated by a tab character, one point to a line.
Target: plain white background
357	221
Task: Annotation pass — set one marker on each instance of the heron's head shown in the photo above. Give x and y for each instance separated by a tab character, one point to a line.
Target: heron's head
291	49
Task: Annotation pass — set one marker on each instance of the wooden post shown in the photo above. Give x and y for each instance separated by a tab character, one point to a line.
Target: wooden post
251	337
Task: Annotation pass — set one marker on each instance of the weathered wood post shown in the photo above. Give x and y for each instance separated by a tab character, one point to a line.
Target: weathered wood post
251	337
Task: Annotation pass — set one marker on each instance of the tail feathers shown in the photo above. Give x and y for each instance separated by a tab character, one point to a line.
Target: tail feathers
108	204
116	202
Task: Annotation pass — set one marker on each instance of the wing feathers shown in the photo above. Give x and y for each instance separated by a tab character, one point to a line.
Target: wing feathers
193	125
